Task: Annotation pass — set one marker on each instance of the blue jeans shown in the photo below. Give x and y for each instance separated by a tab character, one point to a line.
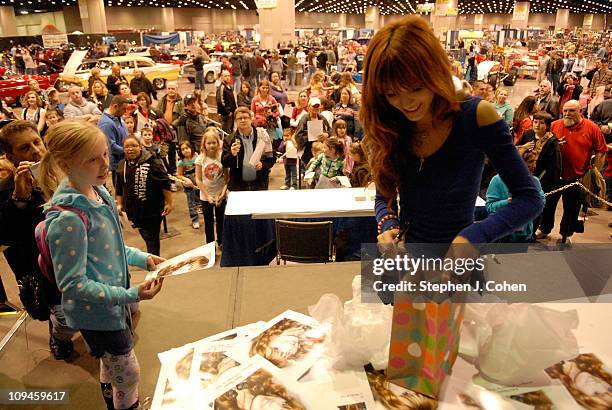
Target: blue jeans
199	80
193	200
261	74
291	175
554	79
60	331
290	78
237	84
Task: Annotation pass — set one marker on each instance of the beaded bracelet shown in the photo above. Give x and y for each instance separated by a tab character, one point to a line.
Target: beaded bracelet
385	219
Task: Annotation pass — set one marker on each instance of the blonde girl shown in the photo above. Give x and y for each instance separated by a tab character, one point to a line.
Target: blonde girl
91	260
33	110
211	179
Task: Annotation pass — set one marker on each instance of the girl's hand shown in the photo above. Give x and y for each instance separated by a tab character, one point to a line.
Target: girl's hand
153	261
149	288
210	199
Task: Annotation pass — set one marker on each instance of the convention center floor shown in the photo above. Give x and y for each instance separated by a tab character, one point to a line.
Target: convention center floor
192	307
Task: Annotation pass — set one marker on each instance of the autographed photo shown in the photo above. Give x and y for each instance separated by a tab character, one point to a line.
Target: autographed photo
257	387
587	379
292	342
199	258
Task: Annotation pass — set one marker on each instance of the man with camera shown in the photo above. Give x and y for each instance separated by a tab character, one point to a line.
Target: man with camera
21	209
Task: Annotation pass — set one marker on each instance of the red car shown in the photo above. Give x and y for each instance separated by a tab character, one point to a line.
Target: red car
14	86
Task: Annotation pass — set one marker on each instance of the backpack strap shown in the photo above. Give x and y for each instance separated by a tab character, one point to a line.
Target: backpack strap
81	213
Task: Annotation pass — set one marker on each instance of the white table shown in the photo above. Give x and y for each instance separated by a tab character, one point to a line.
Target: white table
308	203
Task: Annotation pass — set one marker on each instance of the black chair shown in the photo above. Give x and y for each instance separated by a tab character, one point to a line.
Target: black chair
304	242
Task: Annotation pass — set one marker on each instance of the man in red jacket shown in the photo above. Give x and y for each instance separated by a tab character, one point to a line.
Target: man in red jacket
580	138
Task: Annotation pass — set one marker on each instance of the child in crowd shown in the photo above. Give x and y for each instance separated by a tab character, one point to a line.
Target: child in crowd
212	179
143	191
316	150
91	260
52	117
498	196
360	174
331	162
130	124
186	174
327	106
146	140
290	159
340	133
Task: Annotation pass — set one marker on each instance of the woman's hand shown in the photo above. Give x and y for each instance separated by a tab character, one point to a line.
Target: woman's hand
529	146
462	248
149	288
153	261
388	237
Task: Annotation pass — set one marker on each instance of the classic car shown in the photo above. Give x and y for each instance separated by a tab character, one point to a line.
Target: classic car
158	73
14	86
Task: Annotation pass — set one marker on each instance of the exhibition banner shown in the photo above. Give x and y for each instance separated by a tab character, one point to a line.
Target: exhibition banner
54	40
521	11
266	4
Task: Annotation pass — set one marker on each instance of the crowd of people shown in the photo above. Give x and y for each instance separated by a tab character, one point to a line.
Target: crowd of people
410	129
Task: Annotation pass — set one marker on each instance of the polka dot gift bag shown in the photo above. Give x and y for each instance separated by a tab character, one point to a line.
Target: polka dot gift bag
424	343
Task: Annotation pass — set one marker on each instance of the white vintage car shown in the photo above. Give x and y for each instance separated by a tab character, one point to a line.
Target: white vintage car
158	73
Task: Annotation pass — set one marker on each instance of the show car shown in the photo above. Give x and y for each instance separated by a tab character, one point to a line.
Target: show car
158	73
14	86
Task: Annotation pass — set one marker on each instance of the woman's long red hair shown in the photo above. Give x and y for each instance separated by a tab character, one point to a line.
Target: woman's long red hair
402	55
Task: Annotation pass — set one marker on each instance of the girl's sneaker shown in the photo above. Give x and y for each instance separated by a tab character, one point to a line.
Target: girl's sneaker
195	225
284	187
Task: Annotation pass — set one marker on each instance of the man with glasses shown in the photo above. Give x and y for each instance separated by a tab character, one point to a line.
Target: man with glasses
246	171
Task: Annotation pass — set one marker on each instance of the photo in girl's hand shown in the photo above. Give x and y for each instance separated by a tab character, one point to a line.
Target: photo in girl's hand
199	258
587	379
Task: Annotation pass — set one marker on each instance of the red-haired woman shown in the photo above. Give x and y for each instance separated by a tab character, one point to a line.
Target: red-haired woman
427	147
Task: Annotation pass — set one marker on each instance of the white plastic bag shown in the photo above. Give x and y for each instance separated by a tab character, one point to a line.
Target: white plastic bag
512	344
360	332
